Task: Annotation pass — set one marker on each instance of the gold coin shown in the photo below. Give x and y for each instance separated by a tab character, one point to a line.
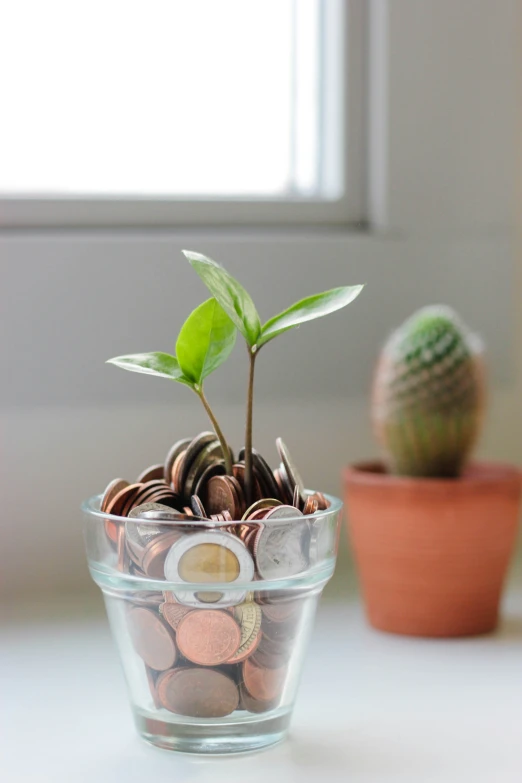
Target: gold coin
209	563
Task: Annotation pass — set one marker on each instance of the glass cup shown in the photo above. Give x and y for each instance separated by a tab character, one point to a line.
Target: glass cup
212	620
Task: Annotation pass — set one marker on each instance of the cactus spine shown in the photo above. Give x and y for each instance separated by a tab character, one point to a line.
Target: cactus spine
428	394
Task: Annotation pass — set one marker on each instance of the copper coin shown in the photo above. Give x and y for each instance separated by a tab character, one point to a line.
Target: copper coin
269	660
220	495
128	505
322	502
311	505
197	693
216	469
174	452
122	499
263	684
156	551
250	540
176	469
193	449
247	702
224	492
174	613
112	490
238	471
153	640
208	637
173	500
240	498
151	679
154	472
261	513
260	505
241	531
142	498
148	489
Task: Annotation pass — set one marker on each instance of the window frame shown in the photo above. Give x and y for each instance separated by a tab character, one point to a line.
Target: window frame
342	134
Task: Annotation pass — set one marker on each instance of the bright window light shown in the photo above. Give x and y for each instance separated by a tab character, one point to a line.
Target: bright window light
196	98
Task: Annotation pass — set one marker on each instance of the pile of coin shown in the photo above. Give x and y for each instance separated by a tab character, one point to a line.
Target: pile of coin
193	481
207	663
210	645
192	487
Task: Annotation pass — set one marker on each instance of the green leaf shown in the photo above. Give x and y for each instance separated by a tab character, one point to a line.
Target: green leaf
205	341
307	309
230	294
156	363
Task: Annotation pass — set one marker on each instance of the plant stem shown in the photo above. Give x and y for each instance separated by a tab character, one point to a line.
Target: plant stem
217	429
252	353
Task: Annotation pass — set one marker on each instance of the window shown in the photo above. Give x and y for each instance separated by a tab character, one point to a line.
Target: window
169	111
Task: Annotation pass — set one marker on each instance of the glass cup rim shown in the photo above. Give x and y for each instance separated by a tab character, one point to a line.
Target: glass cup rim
91	507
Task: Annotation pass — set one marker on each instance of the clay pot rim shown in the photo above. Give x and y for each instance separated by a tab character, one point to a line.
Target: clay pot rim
477	474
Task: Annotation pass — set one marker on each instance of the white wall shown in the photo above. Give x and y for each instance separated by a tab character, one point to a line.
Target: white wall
446	93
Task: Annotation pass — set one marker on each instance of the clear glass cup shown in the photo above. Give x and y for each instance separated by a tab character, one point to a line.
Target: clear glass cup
211	620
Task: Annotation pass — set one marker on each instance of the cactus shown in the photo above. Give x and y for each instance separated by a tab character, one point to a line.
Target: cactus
428	394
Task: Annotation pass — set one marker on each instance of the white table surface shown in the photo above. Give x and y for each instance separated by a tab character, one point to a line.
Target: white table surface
372	707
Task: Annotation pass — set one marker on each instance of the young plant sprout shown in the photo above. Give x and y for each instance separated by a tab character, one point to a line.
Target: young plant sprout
238	304
208	336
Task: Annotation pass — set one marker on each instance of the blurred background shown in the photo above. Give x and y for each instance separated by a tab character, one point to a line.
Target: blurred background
302	143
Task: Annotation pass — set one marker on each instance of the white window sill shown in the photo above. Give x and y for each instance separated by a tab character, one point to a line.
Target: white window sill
372	707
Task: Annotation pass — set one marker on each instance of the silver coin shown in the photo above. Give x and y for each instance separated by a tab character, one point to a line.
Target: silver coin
290	467
139	510
211	598
169	516
138	536
197	507
281	550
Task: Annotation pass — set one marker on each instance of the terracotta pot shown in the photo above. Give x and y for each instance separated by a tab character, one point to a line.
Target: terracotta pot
432	554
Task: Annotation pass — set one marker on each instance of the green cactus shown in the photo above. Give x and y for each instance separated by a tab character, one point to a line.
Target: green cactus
428	394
